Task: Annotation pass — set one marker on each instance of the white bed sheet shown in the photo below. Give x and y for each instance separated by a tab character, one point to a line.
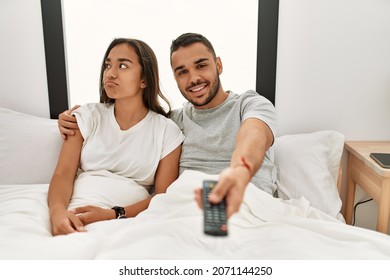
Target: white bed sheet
171	228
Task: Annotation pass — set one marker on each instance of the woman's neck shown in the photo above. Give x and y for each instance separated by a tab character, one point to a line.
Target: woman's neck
128	114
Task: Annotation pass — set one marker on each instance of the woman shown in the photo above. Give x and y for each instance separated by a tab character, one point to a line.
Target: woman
125	145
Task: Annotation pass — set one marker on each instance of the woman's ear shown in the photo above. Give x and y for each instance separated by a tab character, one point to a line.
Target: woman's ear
143	84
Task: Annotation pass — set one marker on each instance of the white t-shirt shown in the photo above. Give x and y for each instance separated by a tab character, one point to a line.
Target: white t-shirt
134	153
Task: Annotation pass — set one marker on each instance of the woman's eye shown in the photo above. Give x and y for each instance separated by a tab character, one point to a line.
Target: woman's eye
106	66
122	66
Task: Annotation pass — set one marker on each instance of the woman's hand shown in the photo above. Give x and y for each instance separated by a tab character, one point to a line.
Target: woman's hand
90	214
65	222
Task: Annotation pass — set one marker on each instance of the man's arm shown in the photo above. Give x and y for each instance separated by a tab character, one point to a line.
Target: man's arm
253	140
67	123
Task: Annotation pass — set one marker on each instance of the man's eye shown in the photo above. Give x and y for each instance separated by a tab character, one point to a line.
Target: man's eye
201	65
182	72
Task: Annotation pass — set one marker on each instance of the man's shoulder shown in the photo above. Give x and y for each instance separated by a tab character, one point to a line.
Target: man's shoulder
251	94
177	115
177	111
248	96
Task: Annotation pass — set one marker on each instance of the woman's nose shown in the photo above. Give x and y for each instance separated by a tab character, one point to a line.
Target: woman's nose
111	73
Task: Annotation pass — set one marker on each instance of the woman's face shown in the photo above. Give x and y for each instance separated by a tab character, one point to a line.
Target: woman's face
122	77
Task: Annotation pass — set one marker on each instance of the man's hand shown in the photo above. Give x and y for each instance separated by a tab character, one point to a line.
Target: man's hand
67	123
231	184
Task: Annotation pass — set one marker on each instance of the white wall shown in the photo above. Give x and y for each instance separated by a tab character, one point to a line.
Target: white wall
23	71
333	72
333	68
87	40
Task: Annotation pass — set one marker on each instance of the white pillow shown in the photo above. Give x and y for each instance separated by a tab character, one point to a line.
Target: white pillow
308	166
29	148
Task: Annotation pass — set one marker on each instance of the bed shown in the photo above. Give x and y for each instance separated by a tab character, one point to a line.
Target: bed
304	222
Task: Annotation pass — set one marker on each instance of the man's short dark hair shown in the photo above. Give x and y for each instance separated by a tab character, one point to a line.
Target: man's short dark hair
187	39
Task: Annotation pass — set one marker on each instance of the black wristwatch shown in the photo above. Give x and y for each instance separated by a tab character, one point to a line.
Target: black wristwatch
120	212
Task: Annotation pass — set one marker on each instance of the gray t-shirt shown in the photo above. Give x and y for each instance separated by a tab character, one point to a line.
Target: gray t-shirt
211	135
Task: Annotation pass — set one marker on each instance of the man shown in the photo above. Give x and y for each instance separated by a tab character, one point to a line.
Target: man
226	133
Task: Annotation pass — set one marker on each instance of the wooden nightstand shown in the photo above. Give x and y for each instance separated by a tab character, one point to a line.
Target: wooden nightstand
371	177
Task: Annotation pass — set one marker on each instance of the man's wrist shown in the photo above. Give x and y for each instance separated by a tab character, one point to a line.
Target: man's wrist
244	163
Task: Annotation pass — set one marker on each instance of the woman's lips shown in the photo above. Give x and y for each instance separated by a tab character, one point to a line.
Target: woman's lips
110	83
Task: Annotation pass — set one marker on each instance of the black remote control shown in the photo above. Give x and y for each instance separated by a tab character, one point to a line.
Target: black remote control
215	219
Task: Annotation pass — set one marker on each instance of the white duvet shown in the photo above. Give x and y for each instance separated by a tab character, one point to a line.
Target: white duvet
172	228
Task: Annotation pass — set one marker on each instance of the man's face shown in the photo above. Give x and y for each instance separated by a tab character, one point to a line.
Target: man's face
197	74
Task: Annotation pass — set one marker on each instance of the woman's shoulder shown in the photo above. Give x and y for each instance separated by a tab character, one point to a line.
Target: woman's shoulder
98	106
94	108
162	121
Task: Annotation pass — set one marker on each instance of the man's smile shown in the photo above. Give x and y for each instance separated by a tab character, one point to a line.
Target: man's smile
198	90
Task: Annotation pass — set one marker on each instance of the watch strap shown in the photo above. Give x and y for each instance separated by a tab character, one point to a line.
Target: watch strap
120	212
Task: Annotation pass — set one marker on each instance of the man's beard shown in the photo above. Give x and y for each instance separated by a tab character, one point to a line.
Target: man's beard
212	93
